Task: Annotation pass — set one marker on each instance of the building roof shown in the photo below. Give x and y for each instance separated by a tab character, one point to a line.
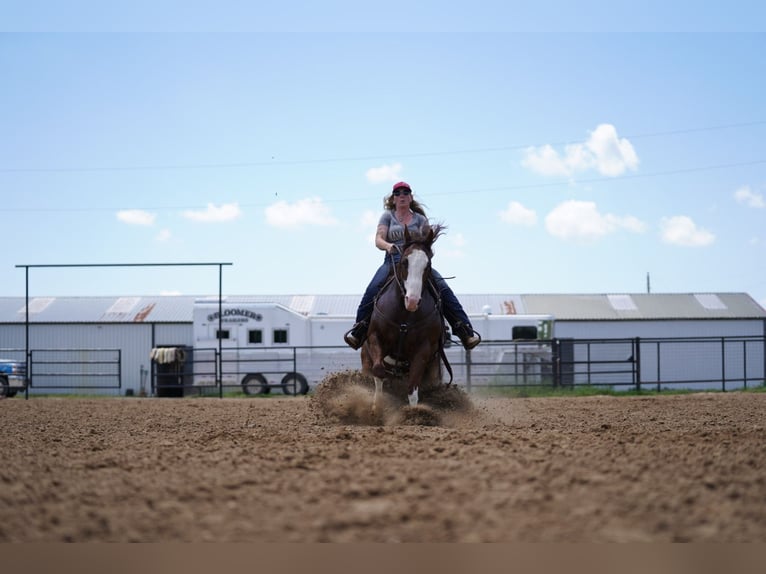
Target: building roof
564	307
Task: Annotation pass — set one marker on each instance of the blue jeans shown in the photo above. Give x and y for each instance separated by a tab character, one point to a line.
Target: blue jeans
453	310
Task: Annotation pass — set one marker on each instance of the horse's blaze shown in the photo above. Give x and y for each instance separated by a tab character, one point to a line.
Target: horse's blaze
413	284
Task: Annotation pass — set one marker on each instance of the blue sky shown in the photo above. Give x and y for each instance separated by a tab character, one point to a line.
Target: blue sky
568	154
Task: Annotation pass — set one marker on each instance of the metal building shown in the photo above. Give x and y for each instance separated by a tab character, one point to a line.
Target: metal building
136	325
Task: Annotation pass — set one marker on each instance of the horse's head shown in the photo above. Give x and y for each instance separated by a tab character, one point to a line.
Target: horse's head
415	264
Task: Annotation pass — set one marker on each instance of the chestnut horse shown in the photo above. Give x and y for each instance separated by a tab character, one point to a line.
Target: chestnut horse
405	339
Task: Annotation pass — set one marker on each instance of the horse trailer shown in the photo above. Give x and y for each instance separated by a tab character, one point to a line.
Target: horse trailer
268	345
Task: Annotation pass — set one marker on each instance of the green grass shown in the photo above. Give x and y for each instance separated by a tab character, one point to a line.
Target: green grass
589	391
759	389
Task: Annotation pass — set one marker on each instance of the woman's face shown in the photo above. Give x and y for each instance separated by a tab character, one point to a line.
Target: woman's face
404	197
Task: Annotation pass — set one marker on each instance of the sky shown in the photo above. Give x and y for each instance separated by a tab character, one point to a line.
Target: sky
593	147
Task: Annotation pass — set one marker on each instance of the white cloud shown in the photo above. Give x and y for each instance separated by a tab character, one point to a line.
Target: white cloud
214	214
517	214
384	173
368	223
604	151
163	235
546	161
310	211
681	230
581	220
451	246
136	217
369	220
749	197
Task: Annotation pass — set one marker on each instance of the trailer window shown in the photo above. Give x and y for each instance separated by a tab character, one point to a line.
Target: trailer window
280	336
255	336
222	334
524	333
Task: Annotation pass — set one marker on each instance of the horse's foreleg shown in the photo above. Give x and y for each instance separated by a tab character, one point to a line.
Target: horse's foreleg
377	394
417	371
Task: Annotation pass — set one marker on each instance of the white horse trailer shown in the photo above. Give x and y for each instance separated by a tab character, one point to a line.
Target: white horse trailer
266	345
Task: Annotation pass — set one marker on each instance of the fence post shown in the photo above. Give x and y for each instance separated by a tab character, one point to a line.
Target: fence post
556	358
744	357
659	362
219	368
637	362
468	370
28	374
723	364
295	371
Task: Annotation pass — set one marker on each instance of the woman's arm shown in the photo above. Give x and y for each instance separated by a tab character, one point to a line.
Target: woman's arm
380	239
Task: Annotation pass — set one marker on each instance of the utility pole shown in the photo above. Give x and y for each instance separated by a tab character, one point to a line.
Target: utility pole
648	283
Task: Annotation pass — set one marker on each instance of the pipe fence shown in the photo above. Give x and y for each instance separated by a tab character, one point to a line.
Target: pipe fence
695	363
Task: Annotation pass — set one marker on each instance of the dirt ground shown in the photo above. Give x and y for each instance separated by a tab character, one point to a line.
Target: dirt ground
320	469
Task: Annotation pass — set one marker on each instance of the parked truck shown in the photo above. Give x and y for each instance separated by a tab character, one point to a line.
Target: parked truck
13	377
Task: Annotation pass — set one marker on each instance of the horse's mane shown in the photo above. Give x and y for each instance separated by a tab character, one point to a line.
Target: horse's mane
424	238
421	235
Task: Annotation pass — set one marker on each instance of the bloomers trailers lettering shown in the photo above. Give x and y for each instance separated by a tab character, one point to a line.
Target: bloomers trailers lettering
233	314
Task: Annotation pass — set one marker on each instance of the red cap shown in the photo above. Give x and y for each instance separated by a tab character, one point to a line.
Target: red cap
401	184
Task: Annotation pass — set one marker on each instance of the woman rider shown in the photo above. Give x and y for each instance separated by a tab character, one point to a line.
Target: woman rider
402	210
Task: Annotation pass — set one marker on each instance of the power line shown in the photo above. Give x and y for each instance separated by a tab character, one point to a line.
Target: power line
276	163
518	187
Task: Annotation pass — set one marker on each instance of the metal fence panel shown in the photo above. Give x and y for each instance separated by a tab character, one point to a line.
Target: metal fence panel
704	363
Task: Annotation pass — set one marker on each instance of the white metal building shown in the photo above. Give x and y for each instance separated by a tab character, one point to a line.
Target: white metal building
136	325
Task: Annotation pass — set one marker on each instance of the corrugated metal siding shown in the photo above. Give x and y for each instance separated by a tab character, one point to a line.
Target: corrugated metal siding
12	336
565	307
133	340
649	306
658	329
571	307
100	310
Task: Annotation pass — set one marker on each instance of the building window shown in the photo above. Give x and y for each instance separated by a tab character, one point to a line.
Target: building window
222	334
280	336
255	337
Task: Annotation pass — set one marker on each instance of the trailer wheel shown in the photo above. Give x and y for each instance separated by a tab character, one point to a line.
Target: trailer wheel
255	384
294	384
4	387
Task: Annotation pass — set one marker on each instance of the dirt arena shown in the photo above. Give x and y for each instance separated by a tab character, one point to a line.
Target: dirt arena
313	469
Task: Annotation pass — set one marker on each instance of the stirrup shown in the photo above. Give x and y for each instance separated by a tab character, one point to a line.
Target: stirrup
471	341
467	336
354	337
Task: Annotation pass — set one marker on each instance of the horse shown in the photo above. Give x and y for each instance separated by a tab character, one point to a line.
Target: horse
405	338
